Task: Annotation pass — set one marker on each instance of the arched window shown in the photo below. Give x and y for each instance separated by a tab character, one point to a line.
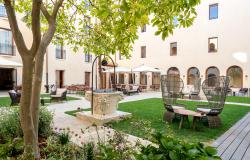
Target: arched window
212	72
193	74
173	71
236	76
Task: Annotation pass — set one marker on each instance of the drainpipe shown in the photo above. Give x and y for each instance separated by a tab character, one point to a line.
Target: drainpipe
47	72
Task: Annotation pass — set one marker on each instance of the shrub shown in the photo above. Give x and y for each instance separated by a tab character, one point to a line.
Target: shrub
45	121
10	126
169	147
12	149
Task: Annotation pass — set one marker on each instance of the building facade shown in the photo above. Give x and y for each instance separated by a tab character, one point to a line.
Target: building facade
216	44
62	66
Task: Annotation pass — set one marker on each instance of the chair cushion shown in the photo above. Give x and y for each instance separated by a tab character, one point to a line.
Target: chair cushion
204	110
177	107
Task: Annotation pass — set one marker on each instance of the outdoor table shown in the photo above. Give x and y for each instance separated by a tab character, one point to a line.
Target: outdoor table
184	113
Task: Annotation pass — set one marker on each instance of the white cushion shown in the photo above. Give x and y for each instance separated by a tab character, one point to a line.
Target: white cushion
177	107
135	87
204	110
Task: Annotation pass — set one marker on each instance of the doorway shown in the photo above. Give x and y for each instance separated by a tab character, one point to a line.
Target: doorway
60	78
7	78
87	79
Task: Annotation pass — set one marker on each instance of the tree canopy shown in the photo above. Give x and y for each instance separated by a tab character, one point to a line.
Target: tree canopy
110	26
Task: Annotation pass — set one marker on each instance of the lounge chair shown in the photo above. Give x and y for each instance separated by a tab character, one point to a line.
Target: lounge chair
128	90
171	87
61	95
15	97
216	96
242	92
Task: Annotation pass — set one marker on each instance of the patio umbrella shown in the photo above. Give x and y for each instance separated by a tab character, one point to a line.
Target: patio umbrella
118	70
144	68
4	63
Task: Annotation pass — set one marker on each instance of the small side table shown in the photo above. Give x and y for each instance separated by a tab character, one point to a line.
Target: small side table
184	113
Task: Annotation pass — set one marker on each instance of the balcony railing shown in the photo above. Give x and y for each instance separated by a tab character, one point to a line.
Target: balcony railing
7	49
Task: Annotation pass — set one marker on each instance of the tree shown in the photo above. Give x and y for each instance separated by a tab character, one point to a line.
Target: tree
113	28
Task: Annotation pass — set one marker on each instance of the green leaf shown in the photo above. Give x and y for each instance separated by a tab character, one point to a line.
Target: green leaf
210	150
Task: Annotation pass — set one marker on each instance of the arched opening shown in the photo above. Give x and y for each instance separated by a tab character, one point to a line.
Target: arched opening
212	72
236	76
173	71
192	74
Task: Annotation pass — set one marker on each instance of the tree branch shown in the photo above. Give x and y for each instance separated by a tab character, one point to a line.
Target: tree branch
56	8
45	12
36	25
17	35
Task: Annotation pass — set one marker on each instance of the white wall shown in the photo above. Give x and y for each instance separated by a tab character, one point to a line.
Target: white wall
231	28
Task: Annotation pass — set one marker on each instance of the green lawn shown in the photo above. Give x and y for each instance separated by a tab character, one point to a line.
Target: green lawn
5	101
151	110
238	99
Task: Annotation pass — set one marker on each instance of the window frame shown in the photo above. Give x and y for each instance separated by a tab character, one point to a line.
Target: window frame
171	53
62	52
89	60
5	15
210	6
12	43
144	28
209	51
143	55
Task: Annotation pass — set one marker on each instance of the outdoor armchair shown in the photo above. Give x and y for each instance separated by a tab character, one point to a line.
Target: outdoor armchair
215	90
15	97
171	87
61	94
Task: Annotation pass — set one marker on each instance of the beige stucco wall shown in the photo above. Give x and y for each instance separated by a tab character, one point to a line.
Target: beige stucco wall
231	28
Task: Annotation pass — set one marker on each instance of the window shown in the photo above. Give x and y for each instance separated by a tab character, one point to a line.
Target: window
121	78
2	11
131	78
173	71
193	74
88	58
6	42
212	72
236	76
213	44
143	78
60	52
143	51
156	78
120	57
144	28
213	11
173	49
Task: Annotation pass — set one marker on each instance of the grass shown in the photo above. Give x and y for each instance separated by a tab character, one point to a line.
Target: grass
238	99
5	101
151	110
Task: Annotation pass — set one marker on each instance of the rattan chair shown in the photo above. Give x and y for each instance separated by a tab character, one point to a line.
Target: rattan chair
15	97
197	87
215	90
171	87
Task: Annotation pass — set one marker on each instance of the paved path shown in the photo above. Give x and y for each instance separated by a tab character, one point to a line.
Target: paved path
235	143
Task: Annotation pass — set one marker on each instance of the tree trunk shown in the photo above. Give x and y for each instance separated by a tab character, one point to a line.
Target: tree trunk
25	112
35	99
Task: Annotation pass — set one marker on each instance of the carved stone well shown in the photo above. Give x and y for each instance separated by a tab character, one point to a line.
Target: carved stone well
105	107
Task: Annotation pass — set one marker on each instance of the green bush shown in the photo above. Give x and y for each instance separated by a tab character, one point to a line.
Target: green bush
169	147
45	121
10	126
